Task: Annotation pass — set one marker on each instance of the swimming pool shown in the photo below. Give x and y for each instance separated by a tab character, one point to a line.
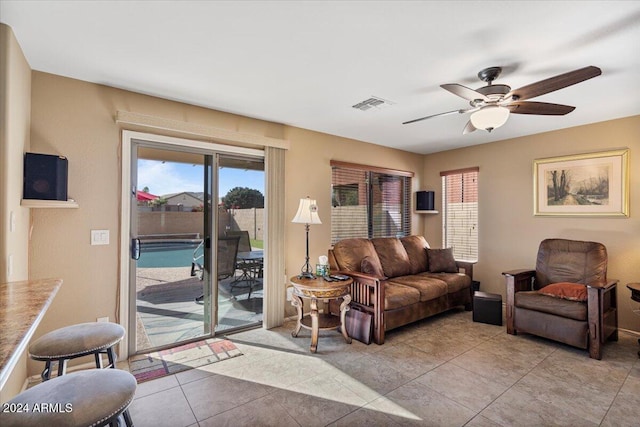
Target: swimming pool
174	253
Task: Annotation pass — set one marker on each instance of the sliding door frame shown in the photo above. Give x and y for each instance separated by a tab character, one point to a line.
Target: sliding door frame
128	187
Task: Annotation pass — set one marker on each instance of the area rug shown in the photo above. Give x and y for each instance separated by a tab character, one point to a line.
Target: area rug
154	365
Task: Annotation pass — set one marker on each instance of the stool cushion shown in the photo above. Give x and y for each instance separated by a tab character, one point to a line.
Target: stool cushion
86	398
76	340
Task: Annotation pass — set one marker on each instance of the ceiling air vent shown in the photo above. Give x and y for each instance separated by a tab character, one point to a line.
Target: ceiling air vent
372	103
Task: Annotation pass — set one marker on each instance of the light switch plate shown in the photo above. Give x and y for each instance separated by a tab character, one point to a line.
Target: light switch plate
99	237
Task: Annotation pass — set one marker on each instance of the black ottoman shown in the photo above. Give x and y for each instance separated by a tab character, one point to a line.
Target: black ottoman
487	308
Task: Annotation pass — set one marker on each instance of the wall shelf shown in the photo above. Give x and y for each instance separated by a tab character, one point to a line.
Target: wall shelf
56	204
427	212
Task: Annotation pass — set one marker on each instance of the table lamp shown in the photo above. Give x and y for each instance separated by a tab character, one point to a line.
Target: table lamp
307	214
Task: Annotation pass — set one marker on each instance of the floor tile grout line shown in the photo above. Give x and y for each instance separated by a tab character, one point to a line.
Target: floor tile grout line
190	407
617	393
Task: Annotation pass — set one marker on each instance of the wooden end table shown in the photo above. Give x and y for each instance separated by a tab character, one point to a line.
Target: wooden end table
316	289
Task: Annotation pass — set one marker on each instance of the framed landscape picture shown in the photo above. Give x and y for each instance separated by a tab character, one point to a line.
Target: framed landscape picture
593	184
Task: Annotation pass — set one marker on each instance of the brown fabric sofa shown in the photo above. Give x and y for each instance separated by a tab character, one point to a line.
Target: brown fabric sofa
401	280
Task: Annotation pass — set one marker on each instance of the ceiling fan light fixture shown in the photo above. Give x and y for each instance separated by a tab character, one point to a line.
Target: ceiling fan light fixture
490	117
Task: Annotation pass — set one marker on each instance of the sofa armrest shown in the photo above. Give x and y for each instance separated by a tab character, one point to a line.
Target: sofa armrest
467	266
367	292
517	281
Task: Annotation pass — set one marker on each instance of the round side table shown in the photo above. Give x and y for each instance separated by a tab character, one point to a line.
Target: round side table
315	289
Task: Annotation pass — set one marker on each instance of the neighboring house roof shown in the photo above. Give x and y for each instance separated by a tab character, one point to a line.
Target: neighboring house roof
144	196
187	199
196	195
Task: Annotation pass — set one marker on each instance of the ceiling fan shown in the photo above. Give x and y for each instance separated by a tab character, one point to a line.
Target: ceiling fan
492	104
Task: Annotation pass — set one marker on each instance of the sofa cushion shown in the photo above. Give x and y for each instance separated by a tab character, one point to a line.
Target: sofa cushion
350	252
370	265
566	290
415	247
533	300
393	257
429	287
398	296
454	281
442	261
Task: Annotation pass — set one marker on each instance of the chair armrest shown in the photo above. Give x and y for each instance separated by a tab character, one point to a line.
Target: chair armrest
367	292
467	266
517	281
522	271
608	285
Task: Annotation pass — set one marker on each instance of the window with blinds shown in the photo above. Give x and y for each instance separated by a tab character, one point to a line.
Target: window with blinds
460	212
369	202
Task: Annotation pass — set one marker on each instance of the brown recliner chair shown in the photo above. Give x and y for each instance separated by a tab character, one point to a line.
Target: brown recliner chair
565	312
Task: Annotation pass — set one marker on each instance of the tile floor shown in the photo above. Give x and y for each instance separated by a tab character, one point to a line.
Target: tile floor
443	371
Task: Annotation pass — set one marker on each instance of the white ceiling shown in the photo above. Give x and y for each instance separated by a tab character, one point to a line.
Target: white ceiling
305	64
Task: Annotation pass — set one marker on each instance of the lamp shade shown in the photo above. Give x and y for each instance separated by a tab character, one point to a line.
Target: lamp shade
490	117
307	212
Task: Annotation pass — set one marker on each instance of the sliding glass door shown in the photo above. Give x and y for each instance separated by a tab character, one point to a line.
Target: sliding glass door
241	217
170	266
196	234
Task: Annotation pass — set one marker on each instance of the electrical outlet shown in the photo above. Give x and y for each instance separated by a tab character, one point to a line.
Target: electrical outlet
103	319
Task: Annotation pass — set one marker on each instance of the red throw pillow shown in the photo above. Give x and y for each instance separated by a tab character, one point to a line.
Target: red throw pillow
566	290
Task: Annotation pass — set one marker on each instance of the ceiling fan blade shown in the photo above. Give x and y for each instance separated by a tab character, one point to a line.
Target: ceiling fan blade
541	108
469	128
434	115
554	83
464	92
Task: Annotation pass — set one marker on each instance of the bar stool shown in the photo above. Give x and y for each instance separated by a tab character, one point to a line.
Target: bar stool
96	397
74	341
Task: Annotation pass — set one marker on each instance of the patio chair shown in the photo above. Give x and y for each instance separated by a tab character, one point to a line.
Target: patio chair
249	266
245	241
226	256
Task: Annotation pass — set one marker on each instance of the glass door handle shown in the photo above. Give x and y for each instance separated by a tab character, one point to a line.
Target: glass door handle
135	249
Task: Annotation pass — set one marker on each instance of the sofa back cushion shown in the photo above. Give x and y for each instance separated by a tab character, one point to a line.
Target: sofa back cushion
349	254
561	260
393	256
416	251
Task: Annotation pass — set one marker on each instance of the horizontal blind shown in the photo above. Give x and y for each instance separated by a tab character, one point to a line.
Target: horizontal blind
368	203
389	207
349	199
460	216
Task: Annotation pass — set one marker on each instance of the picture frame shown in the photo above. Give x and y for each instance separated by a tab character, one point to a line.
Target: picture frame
591	184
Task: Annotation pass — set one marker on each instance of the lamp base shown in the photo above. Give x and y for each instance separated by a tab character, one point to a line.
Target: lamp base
306	275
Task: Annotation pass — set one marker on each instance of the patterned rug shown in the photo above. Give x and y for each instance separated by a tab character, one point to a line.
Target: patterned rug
154	365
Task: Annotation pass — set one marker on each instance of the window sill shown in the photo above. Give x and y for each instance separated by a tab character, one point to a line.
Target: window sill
57	204
427	212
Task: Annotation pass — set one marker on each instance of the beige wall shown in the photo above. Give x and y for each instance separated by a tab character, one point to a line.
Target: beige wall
15	106
509	234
